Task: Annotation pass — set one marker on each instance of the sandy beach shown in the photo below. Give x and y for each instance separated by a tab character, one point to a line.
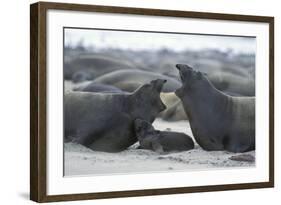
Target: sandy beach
80	160
231	72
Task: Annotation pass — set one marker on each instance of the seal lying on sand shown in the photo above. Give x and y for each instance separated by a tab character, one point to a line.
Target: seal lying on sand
174	111
104	122
129	80
81	76
161	141
98	88
218	121
233	84
94	66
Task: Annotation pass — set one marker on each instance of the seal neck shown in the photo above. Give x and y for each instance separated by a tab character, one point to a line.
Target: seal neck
208	102
138	108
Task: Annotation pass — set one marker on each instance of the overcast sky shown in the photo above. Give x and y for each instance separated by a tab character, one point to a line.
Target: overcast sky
145	40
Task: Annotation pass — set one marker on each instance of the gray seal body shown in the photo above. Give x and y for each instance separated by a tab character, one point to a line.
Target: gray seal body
218	121
129	80
104	122
99	88
90	66
161	141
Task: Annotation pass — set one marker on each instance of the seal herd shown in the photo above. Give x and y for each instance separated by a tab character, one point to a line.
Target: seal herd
113	104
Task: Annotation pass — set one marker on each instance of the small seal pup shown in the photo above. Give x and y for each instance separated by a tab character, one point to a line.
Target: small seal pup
218	121
105	122
161	141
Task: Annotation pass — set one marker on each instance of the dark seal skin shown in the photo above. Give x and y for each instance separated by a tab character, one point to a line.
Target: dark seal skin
161	141
105	122
218	121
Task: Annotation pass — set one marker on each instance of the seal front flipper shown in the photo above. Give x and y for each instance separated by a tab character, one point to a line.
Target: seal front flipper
157	147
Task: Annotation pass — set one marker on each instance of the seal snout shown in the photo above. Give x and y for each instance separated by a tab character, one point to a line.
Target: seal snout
158	84
161	81
178	66
138	124
141	125
185	71
181	67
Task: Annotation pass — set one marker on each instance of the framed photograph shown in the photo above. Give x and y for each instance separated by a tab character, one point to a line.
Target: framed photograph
135	102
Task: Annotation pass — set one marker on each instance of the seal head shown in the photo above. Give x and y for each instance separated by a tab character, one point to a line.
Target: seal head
161	141
191	80
142	128
148	98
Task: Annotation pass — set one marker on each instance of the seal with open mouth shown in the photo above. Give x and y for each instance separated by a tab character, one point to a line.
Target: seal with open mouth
105	122
218	121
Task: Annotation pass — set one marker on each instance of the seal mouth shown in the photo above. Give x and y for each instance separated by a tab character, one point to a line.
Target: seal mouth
179	67
185	71
181	76
163	107
162	81
158	84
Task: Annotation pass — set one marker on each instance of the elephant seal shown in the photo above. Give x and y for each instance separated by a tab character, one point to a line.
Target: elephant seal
94	65
174	111
218	121
161	141
233	84
227	77
129	80
104	122
98	88
81	76
169	99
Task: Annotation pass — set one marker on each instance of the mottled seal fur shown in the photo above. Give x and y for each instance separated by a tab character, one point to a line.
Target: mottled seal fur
218	121
104	122
161	141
